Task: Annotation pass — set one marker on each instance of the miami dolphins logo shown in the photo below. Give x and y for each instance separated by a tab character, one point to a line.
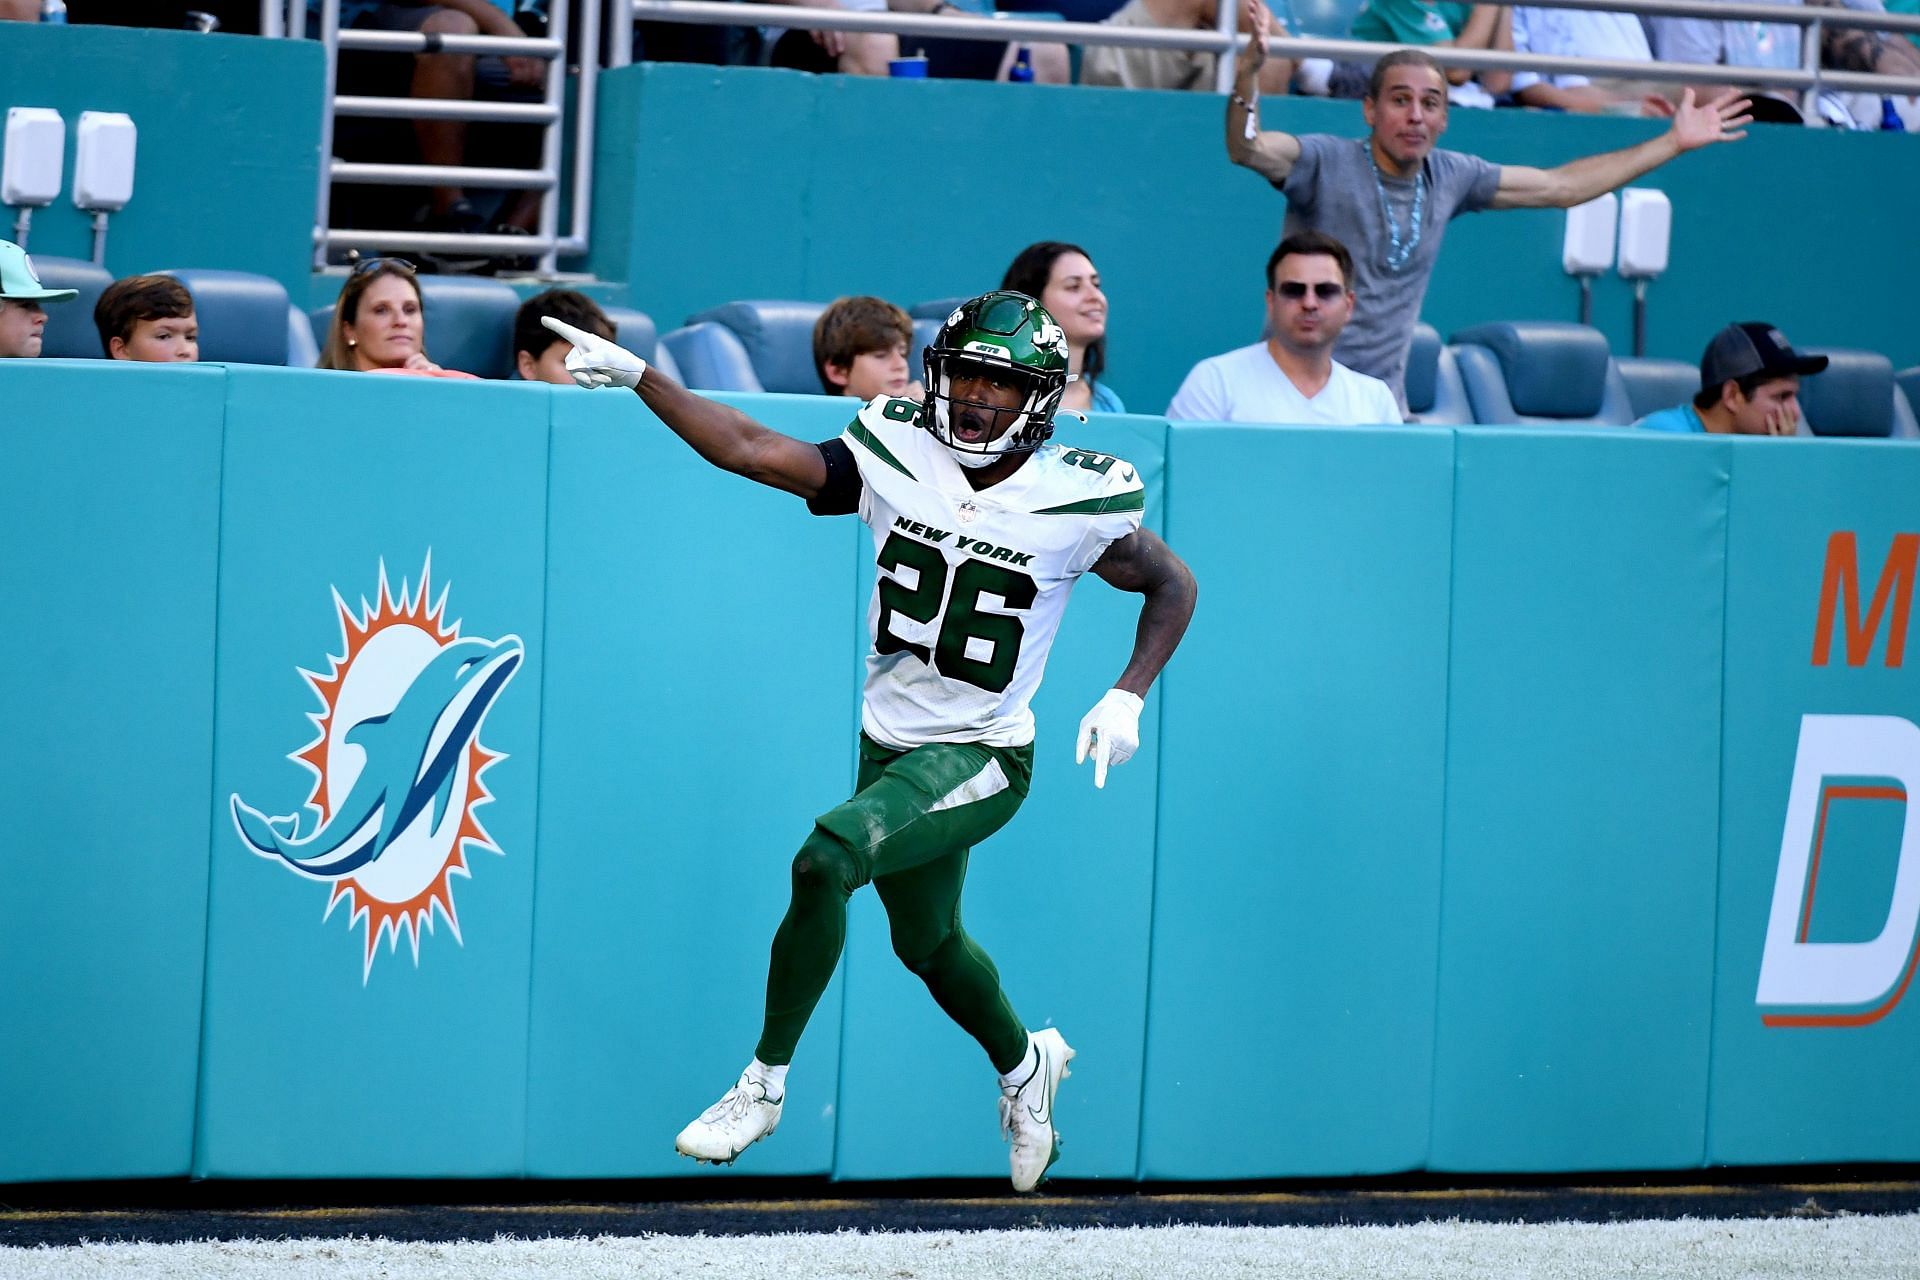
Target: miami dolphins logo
397	764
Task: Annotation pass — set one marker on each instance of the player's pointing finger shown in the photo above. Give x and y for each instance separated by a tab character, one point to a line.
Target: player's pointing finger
578	337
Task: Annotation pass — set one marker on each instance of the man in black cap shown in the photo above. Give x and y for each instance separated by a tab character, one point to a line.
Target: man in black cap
1749	386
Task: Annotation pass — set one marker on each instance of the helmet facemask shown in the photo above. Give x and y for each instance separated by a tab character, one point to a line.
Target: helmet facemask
1032	418
1010	338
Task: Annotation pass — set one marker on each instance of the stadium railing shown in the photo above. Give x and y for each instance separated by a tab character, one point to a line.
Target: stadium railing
549	113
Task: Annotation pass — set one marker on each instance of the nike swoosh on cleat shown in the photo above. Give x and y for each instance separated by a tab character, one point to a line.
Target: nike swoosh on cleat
1041	1116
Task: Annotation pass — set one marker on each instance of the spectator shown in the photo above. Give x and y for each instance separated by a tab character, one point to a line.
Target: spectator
147	318
1292	377
448	75
1749	386
1135	68
1734	43
22	322
378	324
1434	23
1065	281
19	10
869	53
1390	196
860	350
541	354
1586	33
853	53
1858	49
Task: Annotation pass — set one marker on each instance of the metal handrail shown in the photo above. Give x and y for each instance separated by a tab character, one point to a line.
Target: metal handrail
444	109
549	115
421	42
441	175
1092	33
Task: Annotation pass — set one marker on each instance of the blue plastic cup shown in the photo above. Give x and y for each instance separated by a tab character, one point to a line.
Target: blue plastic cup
908	68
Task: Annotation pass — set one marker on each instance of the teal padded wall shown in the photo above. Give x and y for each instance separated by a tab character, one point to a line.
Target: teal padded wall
108	541
1813	1093
700	629
1141	179
319	1059
227	171
1296	892
1061	898
1458	819
1576	927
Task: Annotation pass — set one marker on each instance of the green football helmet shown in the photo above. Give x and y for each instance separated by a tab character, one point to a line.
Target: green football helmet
1012	338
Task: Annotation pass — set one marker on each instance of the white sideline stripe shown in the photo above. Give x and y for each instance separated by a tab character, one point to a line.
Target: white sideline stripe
990	781
1860	1248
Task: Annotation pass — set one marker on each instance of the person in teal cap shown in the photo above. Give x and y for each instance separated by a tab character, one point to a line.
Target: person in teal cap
23	321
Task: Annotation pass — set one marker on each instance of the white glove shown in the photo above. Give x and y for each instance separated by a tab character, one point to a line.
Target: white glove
595	362
1111	731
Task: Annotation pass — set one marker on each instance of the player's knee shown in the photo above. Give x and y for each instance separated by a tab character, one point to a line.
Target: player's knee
919	949
824	864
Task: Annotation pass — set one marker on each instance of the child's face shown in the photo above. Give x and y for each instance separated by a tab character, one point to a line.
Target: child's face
878	373
550	367
160	341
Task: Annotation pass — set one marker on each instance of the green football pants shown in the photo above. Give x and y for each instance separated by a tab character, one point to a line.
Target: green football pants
913	819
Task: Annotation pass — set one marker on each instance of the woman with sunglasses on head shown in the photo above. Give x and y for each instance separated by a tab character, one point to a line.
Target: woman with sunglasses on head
1292	377
1062	278
379	325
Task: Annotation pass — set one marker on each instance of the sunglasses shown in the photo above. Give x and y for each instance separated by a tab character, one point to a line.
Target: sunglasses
1326	290
374	264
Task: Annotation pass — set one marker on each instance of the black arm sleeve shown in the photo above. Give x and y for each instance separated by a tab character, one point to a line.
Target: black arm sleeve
840	495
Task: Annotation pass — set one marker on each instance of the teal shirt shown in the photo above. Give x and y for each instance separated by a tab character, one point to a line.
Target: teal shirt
1681	419
1413	22
1104	400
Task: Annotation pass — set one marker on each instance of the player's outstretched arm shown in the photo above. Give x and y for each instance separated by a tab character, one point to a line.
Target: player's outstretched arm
722	435
1138	562
1695	125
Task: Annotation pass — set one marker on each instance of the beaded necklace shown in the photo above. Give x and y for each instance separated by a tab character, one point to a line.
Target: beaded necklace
1397	253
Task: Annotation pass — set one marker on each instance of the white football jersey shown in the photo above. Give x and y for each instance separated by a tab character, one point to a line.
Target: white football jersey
972	585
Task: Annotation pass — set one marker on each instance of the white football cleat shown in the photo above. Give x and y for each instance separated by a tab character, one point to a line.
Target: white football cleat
743	1116
1026	1111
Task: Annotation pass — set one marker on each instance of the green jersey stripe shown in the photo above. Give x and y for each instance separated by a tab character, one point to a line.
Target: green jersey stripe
1133	501
859	432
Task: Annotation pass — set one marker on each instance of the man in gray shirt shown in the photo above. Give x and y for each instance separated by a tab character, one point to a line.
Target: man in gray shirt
1389	196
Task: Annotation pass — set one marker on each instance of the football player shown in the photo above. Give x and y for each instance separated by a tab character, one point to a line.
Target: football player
980	529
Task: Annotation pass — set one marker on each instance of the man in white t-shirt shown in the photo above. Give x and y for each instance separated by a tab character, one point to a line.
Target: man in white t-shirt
1292	377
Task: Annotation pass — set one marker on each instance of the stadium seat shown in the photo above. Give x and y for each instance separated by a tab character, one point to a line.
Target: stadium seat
1654	384
1541	373
242	316
634	330
710	358
70	330
777	337
1908	380
937	310
1853	397
1435	392
303	349
1906	424
470	324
